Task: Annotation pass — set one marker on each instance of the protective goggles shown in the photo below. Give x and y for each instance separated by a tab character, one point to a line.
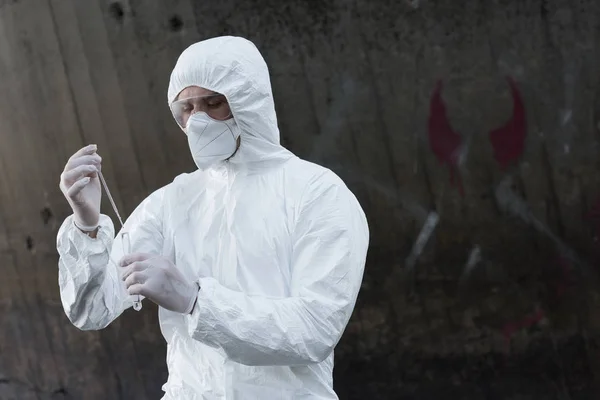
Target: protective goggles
214	105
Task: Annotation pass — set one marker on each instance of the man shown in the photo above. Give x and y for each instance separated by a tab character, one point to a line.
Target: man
255	259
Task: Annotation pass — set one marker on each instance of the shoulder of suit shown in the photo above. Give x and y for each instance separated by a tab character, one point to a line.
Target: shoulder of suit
306	172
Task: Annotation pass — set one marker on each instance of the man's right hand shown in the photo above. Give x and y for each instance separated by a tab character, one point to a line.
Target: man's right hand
80	184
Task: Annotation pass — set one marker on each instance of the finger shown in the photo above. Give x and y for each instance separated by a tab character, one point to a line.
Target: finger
137	266
136	278
98	169
89	149
138	289
133	257
90	159
75	174
77	186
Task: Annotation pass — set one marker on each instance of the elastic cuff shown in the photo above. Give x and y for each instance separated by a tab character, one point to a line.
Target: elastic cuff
85	228
193	301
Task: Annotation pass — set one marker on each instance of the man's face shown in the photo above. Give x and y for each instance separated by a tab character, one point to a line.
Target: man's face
195	99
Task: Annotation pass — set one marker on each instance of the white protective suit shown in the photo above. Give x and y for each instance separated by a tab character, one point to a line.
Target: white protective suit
277	245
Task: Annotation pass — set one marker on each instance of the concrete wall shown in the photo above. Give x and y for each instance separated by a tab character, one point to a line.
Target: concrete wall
468	130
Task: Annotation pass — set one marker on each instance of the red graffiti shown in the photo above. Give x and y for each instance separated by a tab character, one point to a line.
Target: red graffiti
594	218
443	140
510	328
508	141
594	213
563	285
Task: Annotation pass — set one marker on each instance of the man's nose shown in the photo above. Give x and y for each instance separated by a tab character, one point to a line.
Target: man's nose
196	109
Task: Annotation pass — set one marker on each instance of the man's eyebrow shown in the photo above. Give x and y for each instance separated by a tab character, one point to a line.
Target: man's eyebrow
216	96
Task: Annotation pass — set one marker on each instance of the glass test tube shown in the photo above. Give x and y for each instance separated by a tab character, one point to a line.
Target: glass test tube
137	303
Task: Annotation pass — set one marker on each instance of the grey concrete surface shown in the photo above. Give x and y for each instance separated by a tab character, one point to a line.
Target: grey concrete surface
499	296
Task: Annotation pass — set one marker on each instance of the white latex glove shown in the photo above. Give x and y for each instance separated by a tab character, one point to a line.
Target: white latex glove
159	280
80	185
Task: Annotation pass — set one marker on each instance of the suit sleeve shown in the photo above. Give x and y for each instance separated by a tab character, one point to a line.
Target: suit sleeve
91	291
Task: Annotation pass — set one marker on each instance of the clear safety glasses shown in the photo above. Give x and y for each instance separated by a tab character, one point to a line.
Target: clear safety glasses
215	105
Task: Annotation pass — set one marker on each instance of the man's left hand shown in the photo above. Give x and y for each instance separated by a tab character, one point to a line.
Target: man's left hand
158	279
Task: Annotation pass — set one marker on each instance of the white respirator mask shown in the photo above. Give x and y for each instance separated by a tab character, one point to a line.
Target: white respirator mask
211	140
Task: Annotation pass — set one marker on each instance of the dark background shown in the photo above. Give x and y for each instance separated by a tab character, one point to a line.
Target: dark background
472	125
